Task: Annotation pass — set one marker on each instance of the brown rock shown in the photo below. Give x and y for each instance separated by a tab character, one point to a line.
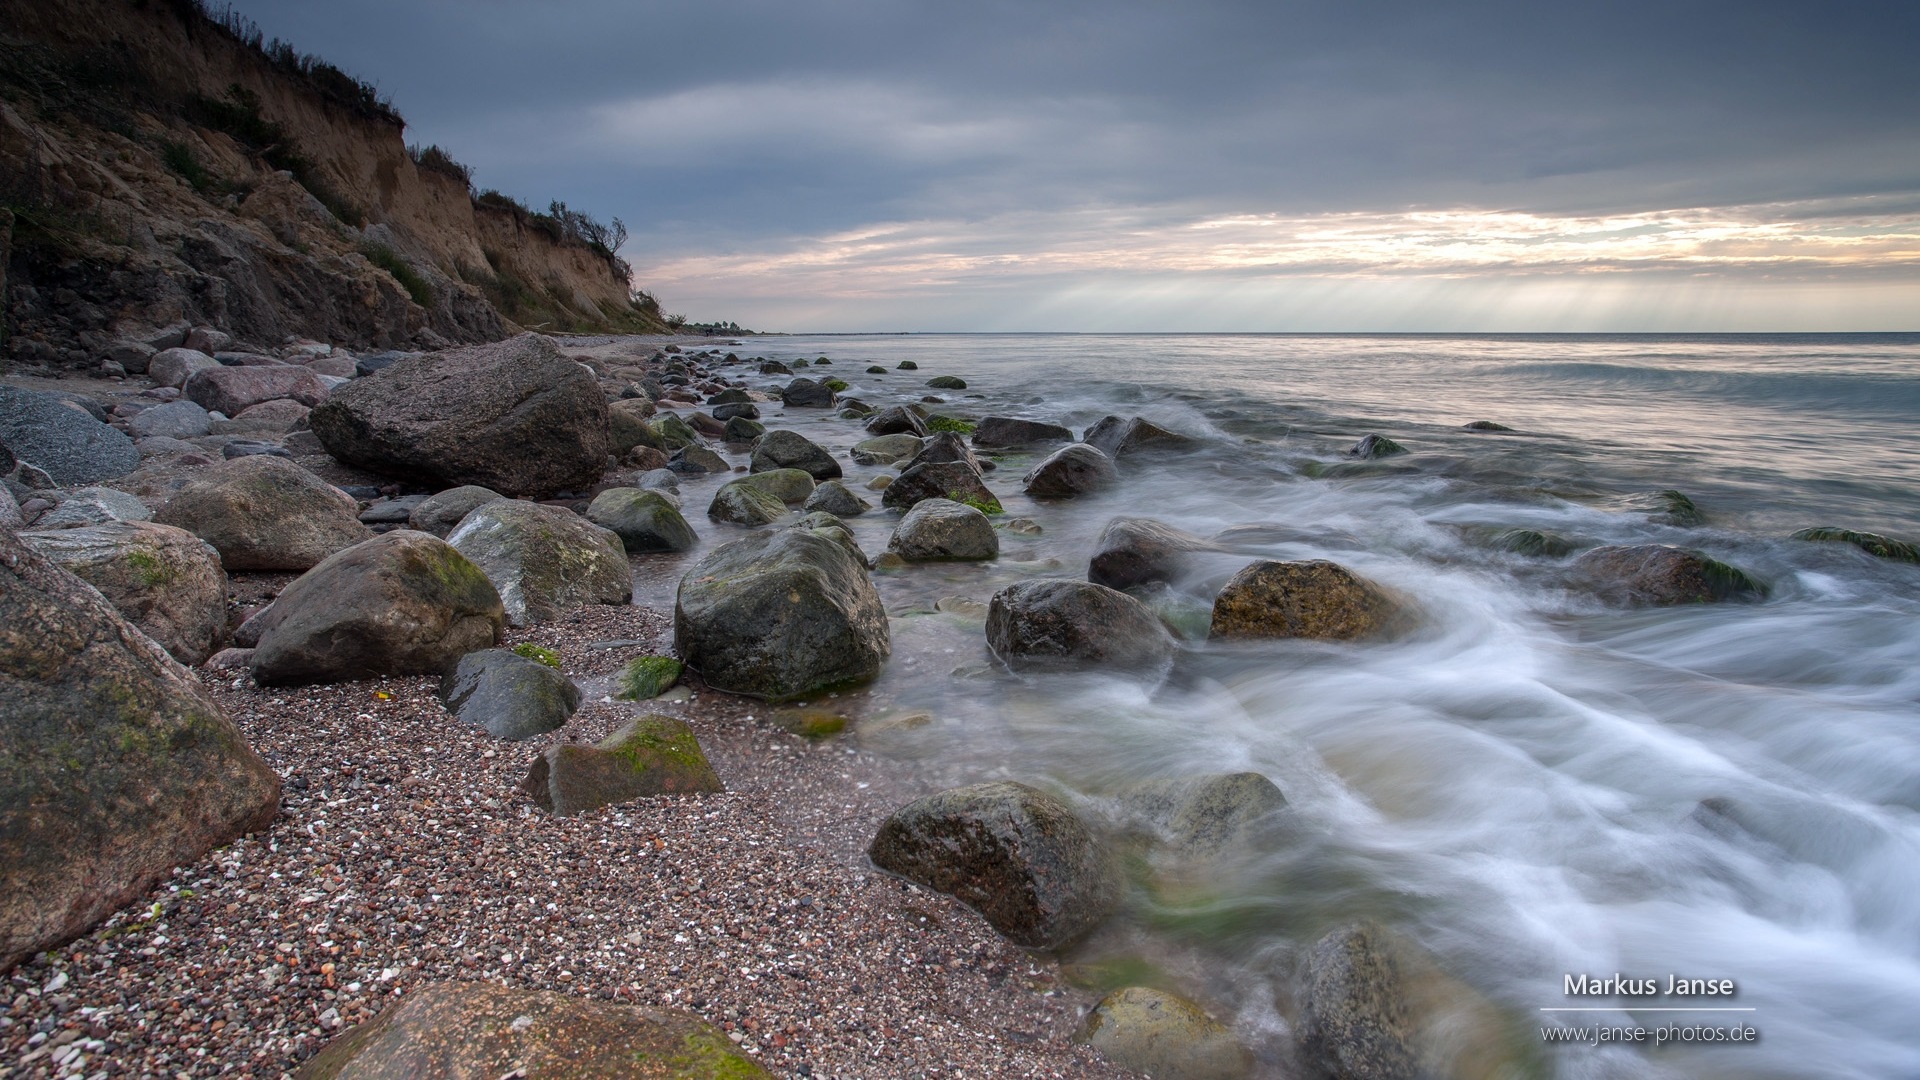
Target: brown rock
233	390
648	755
1659	575
1311	599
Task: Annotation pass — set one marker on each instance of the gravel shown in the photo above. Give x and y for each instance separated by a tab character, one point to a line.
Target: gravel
405	855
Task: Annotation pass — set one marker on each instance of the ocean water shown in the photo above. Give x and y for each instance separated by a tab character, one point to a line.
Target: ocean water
1527	784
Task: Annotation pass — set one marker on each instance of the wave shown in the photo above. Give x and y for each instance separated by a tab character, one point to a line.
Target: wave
1873	392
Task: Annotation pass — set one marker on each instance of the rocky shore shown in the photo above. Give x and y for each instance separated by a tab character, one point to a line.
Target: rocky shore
382	722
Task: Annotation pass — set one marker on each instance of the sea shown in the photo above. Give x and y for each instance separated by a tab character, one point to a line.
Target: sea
1526	784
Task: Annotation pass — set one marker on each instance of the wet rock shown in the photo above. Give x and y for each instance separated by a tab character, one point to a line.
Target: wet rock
790	486
779	615
510	695
943	447
1375	446
402	603
1138	551
1485	425
737	410
118	765
490	1031
1119	437
1666	507
821	523
1078	469
1534	542
265	513
697	461
1310	599
629	424
61	439
1659	575
165	581
173	367
661	479
672	433
1165	1036
514	416
774	367
740	503
173	420
907	365
941	529
646	521
1005	432
706	425
1880	547
1063	624
94	506
886	449
1201	815
645	459
739	429
232	390
1356	1023
955	480
946	382
646	678
807	394
1015	854
648	755
834	498
439	513
544	559
792	450
897	420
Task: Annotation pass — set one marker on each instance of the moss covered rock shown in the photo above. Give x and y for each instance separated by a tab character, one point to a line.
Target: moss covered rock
1310	599
1660	575
544	559
781	449
630	424
164	580
648	755
1880	547
670	433
954	480
790	486
1165	1036
1375	446
485	1030
1534	542
740	503
947	382
886	449
403	603
646	521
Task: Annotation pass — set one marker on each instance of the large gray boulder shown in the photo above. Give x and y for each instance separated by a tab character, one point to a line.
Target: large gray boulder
515	416
1658	575
1076	469
645	521
941	529
233	390
115	765
173	367
443	511
511	696
487	1030
782	449
1007	432
1065	624
544	559
94	506
1139	551
402	603
779	615
166	581
175	420
1308	599
62	439
1015	854
648	755
1357	1024
266	513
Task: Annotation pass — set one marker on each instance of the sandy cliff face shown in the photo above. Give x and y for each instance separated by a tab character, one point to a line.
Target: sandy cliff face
160	167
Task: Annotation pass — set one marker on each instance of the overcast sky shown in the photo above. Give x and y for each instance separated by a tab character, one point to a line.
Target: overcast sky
1123	165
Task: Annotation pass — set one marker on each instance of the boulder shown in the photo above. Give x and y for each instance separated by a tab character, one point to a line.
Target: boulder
947	446
646	521
645	459
886	449
62	439
898	420
1013	853
1659	575
697	461
1119	437
821	523
671	433
1139	551
732	395
1007	432
1310	599
279	415
487	1030
1059	624
1201	815
807	394
648	755
1880	547
394	512
510	695
265	513
165	581
116	765
402	603
779	615
173	367
174	420
833	497
133	356
544	559
514	416
1485	425
1165	1036
629	424
775	367
706	425
1072	470
208	340
947	382
441	512
1375	446
740	503
790	486
792	450
907	365
736	410
94	506
739	429
955	480
232	390
941	529
1356	1023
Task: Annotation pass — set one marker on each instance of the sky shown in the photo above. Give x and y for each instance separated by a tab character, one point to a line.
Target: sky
1147	165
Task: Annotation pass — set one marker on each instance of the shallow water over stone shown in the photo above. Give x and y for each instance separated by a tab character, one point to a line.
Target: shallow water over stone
1526	782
